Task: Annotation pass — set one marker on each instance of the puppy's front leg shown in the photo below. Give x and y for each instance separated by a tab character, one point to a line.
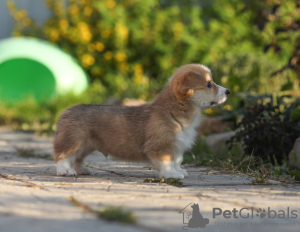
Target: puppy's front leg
168	170
178	159
165	164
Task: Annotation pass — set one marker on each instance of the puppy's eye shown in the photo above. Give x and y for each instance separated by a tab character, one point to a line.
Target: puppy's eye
209	85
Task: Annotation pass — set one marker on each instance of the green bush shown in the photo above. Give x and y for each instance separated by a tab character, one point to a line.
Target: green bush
30	115
116	43
267	133
247	73
129	48
133	46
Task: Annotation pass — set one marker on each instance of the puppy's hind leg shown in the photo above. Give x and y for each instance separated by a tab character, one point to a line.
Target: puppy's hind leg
77	164
63	167
72	166
68	160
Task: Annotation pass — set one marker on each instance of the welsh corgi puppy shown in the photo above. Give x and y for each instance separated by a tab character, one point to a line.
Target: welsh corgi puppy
158	133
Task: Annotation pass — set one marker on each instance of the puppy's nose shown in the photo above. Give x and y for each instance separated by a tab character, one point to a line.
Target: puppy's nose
227	92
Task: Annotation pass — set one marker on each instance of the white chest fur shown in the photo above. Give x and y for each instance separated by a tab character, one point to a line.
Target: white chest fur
185	138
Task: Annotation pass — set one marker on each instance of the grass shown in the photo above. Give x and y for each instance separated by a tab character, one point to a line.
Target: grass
201	154
228	161
117	213
295	175
233	162
110	213
258	177
170	181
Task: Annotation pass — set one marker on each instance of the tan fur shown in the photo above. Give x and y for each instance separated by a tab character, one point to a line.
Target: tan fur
144	133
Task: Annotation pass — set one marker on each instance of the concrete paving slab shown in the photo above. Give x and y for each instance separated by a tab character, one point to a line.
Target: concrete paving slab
33	198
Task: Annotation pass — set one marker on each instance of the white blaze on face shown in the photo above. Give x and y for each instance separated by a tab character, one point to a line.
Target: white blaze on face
208	97
221	96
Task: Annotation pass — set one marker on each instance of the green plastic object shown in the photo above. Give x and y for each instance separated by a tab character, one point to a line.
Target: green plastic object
33	67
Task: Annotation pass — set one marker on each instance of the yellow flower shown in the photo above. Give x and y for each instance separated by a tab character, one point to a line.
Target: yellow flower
86	36
139	77
123	66
208	111
141	80
99	47
23	13
54	35
224	80
108	55
122	31
74	9
88	60
26	22
63	24
84	32
178	27
87	11
83	26
83	2
120	57
110	4
20	14
227	107
11	5
138	69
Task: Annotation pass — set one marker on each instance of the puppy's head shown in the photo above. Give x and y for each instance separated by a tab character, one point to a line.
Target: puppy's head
194	83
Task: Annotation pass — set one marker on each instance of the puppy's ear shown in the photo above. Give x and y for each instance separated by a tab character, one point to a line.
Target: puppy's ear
186	83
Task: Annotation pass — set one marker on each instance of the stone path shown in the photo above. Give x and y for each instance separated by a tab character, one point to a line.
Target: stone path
33	198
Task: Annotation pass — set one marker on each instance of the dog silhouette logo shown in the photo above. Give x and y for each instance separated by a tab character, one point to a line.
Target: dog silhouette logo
195	218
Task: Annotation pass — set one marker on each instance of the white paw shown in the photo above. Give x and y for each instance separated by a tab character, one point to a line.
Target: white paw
173	174
63	168
184	172
66	172
81	170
